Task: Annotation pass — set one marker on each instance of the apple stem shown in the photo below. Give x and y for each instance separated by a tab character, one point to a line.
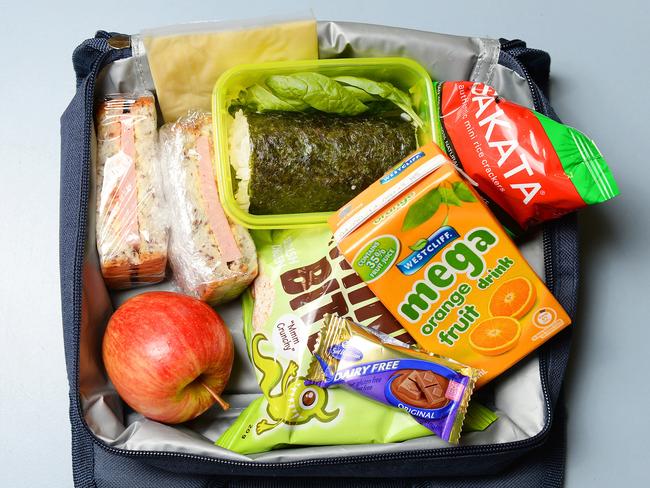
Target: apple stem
222	403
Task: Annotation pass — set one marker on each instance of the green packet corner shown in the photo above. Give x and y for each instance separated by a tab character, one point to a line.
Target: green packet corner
582	161
478	417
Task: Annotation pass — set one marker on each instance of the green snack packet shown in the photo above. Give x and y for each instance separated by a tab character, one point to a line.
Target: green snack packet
301	278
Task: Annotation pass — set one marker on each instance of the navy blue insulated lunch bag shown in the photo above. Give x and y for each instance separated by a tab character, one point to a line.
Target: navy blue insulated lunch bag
114	447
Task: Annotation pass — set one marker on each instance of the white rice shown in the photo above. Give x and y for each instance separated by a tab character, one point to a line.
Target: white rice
240	155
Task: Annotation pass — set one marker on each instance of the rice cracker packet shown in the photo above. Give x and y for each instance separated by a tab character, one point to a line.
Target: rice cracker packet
429	248
302	278
532	167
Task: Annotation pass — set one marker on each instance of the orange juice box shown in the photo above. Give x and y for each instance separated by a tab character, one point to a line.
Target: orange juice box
428	247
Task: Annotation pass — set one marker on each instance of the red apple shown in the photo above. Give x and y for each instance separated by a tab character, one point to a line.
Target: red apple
168	355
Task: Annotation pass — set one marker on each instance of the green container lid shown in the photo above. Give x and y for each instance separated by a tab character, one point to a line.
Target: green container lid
402	72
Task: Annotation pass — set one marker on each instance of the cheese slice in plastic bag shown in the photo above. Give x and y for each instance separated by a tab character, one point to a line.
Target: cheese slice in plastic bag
186	60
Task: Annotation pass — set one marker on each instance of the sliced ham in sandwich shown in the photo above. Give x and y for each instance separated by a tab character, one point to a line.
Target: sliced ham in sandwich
212	258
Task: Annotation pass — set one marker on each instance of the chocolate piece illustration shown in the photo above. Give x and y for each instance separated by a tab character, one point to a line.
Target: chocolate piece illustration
423	389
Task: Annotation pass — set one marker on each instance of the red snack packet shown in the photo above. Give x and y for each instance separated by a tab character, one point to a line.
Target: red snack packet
534	168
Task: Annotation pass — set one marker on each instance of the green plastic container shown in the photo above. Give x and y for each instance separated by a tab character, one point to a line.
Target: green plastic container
402	72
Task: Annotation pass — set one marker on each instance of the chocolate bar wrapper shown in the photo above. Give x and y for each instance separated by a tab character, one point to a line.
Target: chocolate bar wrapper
433	389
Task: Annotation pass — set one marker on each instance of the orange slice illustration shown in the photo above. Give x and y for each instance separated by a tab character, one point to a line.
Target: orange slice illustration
495	336
514	298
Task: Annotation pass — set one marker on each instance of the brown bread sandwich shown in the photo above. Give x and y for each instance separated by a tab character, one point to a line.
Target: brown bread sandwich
131	227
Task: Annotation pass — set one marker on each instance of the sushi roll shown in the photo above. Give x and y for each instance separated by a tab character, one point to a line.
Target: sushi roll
294	162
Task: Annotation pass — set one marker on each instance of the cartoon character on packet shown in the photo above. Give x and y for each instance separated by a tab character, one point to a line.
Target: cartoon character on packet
295	403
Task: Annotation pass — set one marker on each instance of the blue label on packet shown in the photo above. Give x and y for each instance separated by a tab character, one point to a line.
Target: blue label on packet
435	243
396	171
433	390
345	351
430	392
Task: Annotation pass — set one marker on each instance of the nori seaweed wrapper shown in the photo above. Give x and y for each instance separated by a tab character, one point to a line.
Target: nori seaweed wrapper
314	162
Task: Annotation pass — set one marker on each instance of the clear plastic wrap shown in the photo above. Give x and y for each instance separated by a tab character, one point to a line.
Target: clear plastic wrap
186	59
211	257
131	221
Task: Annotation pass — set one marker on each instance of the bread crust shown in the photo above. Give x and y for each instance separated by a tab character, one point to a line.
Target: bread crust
120	274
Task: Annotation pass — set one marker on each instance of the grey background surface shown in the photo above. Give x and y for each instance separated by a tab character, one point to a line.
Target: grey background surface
600	74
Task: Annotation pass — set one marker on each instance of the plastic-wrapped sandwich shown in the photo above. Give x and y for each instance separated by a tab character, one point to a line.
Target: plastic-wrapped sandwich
131	225
211	257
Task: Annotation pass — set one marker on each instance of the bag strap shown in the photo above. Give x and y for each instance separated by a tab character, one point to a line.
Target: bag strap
88	59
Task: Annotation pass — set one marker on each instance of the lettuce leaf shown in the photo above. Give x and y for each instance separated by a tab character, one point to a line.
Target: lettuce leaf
259	99
317	91
342	95
383	89
360	95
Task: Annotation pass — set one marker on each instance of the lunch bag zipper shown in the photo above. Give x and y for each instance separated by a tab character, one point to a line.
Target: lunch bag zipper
119	41
108	54
548	261
447	452
534	89
509	55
